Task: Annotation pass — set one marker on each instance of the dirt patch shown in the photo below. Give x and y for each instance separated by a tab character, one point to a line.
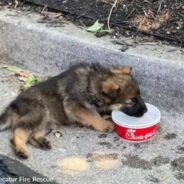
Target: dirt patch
103	161
137	145
133	161
106	164
161	19
153	179
73	165
106	144
91	157
158	161
102	136
170	136
178	164
179	176
116	139
151	21
180	149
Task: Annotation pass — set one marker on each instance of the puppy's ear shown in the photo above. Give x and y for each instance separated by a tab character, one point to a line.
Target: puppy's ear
110	88
121	70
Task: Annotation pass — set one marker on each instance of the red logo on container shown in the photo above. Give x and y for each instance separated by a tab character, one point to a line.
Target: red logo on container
136	135
131	134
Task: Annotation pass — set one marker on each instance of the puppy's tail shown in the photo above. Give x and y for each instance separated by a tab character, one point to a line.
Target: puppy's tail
5	122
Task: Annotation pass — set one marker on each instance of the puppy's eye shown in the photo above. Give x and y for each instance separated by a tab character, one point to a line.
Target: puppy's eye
134	99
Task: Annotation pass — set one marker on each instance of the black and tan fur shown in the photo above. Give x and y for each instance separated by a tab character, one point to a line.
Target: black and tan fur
81	94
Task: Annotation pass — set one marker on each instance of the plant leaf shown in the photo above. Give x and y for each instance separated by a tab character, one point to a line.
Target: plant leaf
95	27
30	81
27	77
13	69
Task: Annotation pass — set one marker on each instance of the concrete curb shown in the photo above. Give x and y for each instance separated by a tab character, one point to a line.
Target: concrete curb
50	50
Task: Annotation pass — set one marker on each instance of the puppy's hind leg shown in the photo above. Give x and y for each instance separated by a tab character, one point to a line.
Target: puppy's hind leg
19	141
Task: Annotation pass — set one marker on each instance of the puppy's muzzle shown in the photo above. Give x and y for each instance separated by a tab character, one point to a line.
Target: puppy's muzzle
137	109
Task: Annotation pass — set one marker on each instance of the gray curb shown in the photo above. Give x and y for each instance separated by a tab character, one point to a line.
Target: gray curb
50	50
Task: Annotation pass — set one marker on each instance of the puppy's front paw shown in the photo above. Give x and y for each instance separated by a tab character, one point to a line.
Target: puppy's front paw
105	126
109	127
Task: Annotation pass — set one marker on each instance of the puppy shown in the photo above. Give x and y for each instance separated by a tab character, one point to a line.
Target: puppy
81	94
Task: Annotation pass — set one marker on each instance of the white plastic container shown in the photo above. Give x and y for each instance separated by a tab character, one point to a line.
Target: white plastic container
135	129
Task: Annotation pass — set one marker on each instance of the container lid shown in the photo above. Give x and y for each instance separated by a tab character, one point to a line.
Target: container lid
151	117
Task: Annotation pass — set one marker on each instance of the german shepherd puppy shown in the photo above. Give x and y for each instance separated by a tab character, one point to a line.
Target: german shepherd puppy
81	94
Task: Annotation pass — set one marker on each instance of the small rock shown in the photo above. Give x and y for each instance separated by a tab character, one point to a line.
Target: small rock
58	134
